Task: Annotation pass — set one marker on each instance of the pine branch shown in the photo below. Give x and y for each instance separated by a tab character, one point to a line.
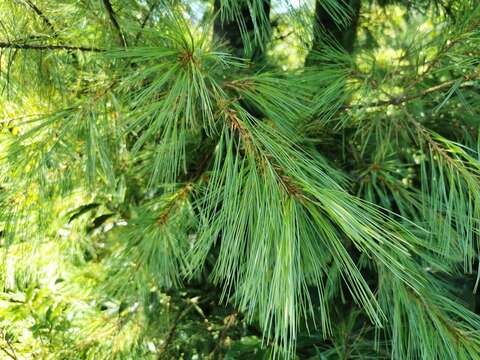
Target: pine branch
49	24
8	45
10	351
180	196
229	321
404	98
283	37
145	21
173	329
10	355
113	19
447	46
42	16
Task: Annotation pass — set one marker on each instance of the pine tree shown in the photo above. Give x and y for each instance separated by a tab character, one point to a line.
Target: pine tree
239	179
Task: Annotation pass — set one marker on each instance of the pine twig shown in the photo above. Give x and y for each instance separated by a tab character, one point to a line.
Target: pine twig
145	20
283	37
42	16
10	355
113	19
48	23
404	98
229	321
172	330
8	45
11	351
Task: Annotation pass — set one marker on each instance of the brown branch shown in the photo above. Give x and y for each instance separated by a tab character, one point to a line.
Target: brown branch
41	15
180	195
203	166
113	19
437	315
283	37
49	24
445	48
436	147
433	62
11	356
145	21
11	352
7	45
172	330
404	98
229	321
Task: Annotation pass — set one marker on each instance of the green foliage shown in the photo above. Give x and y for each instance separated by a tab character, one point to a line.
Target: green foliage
161	197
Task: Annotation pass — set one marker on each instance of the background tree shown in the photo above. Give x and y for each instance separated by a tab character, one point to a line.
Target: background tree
239	179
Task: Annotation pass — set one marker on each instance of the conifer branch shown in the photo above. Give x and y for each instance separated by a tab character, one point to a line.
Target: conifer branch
9	350
205	165
229	321
179	196
42	16
8	45
424	132
145	20
48	23
404	98
113	19
173	328
10	355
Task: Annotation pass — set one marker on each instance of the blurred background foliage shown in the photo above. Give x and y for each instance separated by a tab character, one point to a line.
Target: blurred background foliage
394	104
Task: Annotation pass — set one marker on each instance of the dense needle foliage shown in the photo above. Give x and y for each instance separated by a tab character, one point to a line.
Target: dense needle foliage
239	179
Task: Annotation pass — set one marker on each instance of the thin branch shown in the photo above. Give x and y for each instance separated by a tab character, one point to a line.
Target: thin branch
180	195
7	45
229	321
173	329
404	98
283	37
434	146
11	356
11	352
446	47
145	20
49	24
41	15
113	19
